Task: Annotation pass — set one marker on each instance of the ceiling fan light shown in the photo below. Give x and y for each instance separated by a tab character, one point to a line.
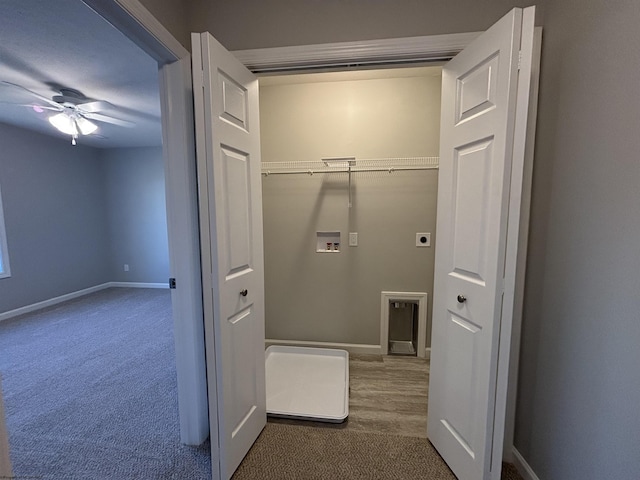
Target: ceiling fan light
64	123
86	127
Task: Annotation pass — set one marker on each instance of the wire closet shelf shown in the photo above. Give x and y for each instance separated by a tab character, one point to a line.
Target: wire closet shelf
350	165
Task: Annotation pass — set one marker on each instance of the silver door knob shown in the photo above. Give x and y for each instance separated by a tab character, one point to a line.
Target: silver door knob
244	292
462	298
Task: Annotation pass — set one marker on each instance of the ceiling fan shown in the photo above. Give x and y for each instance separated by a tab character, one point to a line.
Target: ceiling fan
75	111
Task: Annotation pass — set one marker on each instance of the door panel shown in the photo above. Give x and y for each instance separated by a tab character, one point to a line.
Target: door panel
476	154
236	227
234	102
472	171
228	137
461	353
476	90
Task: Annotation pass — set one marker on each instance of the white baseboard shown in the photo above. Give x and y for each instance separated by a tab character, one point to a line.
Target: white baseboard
52	301
522	466
70	296
358	348
138	285
349	347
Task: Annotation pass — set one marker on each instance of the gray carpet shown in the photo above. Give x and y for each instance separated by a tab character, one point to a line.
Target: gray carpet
296	452
90	390
287	452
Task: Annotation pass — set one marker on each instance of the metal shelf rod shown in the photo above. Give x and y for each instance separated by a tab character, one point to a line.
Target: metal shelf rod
267	173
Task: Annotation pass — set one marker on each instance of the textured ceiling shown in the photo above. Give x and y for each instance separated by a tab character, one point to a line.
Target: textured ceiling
48	44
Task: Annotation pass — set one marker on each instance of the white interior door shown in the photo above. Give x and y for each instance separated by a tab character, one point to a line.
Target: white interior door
228	149
476	153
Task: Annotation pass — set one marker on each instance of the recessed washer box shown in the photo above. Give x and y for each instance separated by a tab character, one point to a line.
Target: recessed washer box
328	242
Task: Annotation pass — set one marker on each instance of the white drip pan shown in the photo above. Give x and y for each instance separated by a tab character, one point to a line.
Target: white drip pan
307	383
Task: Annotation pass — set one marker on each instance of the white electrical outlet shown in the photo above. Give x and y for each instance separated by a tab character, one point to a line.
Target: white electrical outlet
423	239
353	239
126	267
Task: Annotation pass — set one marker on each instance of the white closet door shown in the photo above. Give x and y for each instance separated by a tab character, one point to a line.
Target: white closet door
228	139
476	154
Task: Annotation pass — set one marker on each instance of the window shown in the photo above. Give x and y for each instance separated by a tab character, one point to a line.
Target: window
4	253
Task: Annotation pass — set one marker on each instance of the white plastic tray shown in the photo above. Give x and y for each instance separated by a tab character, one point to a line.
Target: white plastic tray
307	383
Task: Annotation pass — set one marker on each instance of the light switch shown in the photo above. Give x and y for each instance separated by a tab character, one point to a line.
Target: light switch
353	239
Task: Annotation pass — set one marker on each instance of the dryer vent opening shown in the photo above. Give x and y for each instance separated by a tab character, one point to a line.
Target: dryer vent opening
403	328
403	323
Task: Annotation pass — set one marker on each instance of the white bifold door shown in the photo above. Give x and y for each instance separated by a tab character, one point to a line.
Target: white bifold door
480	109
230	197
479	123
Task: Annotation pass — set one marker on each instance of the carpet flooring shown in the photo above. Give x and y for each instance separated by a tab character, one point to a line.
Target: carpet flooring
90	390
90	393
287	452
295	452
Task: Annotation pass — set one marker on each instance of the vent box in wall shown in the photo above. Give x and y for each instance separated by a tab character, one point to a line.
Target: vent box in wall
328	242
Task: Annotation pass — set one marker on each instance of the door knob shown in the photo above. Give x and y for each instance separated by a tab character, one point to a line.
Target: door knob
462	298
244	292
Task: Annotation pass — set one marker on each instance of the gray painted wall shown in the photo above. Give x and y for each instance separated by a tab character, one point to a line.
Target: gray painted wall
54	210
74	215
243	24
336	297
136	214
579	388
173	15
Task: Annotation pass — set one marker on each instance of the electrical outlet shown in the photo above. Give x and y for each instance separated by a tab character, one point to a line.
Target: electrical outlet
126	267
353	239
423	239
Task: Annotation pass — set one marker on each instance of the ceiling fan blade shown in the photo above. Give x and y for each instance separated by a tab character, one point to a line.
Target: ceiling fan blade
29	105
92	107
43	98
107	119
33	106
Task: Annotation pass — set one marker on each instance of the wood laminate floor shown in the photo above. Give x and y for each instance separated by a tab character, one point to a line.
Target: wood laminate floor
388	394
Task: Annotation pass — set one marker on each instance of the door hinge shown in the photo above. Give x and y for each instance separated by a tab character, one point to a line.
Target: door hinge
172	283
519	59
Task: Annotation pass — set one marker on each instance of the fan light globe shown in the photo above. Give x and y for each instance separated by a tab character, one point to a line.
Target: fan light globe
86	127
70	124
64	123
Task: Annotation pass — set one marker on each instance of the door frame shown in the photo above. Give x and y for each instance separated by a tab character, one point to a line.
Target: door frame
135	21
176	97
435	48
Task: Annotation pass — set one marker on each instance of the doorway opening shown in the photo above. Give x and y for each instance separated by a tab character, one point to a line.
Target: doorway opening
135	194
383	116
224	88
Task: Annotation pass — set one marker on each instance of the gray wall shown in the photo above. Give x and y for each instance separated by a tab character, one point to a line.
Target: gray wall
136	214
74	215
580	388
245	24
173	15
577	412
336	297
54	210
